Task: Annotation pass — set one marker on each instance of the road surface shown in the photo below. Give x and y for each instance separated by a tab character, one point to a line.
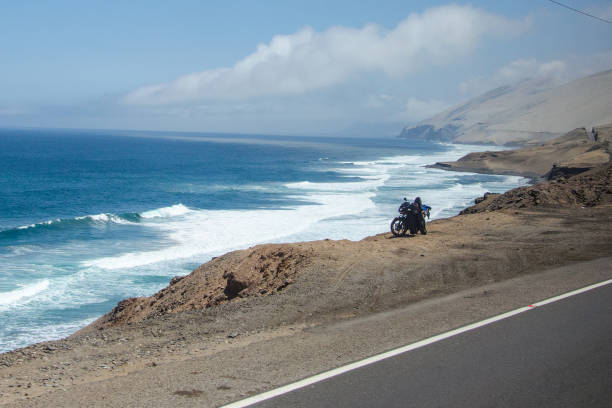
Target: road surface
556	355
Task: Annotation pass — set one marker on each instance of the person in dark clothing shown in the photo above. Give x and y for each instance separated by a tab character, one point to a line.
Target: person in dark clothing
421	206
418	203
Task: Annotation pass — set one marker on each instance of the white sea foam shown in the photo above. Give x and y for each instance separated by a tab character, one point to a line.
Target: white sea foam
19	250
171	211
217	231
337	210
49	222
22	294
97	218
165	212
369	183
26	226
207	188
36	334
104	218
362	205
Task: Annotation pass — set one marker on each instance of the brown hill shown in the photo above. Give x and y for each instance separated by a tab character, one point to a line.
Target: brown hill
527	112
591	188
570	154
258	271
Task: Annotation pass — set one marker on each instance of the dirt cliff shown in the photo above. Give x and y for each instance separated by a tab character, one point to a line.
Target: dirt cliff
258	271
588	189
570	154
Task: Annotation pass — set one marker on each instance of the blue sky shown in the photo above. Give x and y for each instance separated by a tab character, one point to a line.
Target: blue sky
292	67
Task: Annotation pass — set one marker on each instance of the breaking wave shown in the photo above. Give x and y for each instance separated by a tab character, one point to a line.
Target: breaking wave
22	294
166	212
97	220
80	276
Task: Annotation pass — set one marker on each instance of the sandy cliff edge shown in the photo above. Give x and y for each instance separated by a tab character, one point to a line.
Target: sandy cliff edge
570	154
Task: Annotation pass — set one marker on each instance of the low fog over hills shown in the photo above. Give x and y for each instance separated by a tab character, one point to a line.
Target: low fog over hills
530	111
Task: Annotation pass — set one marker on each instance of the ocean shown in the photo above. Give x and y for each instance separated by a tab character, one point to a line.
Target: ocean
88	218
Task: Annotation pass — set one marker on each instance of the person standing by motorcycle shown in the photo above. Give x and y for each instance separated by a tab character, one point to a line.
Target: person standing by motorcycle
421	211
422	207
412	217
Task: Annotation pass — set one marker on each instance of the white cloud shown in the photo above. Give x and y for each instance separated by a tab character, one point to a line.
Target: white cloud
417	109
308	60
515	71
519	69
395	108
591	64
378	101
553	72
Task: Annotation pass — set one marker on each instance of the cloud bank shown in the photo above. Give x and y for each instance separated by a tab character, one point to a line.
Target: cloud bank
308	60
552	72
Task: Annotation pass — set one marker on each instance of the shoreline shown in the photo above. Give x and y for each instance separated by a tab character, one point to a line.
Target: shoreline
375	220
450	166
532	177
570	154
318	293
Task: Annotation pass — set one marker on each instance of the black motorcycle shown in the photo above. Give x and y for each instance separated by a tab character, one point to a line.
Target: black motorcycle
412	218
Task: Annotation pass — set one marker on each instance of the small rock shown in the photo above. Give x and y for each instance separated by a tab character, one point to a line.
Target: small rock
232	335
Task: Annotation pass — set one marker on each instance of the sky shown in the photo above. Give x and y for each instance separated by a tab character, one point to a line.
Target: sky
279	67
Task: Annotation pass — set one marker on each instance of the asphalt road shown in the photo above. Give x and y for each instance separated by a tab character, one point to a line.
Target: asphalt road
556	355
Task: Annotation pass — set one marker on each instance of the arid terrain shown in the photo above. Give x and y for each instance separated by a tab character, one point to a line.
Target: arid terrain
528	112
570	154
263	316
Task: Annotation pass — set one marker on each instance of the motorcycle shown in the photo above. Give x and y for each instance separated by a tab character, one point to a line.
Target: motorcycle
412	218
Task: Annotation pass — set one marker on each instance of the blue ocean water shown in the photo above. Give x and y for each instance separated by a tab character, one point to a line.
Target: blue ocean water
88	218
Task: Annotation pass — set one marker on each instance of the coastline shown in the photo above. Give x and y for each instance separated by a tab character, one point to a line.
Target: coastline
172	238
335	285
339	193
533	178
562	157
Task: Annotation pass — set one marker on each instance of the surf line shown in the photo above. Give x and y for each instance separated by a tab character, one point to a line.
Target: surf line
422	343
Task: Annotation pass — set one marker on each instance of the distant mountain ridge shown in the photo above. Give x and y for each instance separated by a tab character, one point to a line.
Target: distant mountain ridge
528	112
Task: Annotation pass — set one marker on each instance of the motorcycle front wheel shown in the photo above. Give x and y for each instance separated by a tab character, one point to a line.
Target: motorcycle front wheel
397	227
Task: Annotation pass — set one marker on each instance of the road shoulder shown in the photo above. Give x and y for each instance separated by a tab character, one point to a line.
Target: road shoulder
248	365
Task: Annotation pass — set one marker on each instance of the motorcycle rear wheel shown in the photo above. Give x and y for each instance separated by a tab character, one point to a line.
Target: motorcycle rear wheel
397	227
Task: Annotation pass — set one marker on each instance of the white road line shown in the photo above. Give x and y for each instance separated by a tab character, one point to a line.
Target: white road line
572	293
370	360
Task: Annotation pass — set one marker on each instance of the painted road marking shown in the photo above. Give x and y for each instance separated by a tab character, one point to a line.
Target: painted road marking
430	340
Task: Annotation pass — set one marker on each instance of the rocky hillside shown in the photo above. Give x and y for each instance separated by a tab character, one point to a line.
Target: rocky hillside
527	112
570	154
258	271
588	189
